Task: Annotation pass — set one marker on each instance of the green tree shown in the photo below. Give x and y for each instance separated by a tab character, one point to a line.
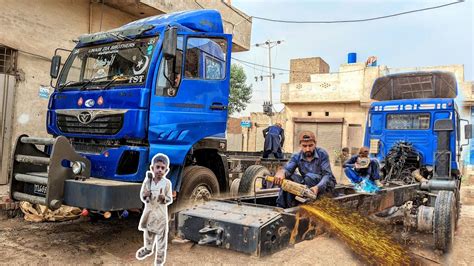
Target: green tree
240	93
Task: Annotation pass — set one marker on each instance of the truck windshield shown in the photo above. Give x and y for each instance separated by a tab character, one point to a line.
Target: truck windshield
408	121
117	63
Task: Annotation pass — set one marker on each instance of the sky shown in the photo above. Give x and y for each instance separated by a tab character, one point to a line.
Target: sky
434	37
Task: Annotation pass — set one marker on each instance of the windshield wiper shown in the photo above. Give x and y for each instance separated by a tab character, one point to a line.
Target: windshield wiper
114	79
89	81
69	83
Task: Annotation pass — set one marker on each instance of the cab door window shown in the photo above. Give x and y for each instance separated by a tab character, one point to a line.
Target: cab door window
205	58
169	74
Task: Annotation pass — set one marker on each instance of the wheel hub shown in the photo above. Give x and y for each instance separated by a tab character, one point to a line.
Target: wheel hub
200	193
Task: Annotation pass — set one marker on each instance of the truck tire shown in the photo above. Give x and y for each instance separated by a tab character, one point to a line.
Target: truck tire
444	220
247	182
199	183
234	187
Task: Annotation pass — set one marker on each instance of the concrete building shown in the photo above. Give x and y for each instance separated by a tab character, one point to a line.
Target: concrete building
31	30
335	105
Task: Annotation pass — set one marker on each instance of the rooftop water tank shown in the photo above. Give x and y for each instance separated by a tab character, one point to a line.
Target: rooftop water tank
351	58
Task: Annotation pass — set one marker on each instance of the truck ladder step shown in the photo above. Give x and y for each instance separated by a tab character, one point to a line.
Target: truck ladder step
30	198
32	159
38	141
32	179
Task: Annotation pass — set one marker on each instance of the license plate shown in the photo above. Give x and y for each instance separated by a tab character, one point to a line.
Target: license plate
40	190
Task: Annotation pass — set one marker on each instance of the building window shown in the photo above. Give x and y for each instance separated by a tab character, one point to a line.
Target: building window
7	60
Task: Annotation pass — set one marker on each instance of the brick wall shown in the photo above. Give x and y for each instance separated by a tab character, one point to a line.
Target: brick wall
302	68
233	125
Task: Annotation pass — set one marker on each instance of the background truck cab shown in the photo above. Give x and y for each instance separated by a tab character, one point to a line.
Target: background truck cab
416	108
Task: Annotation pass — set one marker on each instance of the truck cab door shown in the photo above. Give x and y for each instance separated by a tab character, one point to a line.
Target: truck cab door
196	106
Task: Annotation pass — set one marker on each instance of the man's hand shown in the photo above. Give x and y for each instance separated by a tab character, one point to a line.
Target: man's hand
315	190
279	176
356	166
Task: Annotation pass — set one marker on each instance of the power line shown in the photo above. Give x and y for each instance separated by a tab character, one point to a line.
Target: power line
355	20
292	71
34	55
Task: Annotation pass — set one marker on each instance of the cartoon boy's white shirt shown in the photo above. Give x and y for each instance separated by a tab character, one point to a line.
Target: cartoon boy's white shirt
154	220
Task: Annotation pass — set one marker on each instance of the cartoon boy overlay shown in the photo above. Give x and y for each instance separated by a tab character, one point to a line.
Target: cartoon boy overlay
156	193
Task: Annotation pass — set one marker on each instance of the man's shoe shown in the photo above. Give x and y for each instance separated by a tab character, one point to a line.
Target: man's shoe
378	183
142	253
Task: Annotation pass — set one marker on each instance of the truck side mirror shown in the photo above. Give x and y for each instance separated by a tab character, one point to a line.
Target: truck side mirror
170	43
468	131
55	64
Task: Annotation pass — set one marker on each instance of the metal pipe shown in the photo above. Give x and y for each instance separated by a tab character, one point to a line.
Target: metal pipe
32	159
38	141
30	198
32	179
267	191
439	185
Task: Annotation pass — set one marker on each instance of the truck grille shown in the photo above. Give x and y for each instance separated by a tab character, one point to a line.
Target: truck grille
104	125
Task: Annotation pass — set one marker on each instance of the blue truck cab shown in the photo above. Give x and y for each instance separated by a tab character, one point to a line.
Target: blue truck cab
418	109
156	85
413	121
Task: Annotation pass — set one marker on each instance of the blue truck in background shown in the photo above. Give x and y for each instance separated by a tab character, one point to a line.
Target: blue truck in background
414	130
159	84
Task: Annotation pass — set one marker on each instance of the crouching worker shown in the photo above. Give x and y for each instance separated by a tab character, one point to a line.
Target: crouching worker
156	193
363	171
314	167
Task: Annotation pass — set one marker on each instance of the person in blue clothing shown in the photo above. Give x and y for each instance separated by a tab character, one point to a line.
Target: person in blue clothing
314	167
360	167
274	139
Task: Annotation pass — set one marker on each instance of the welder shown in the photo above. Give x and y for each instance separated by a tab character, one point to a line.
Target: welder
314	168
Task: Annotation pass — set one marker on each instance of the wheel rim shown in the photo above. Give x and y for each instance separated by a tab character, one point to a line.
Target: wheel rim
201	193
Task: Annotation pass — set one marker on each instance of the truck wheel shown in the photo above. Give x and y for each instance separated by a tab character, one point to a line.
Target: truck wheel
234	187
248	180
199	183
444	220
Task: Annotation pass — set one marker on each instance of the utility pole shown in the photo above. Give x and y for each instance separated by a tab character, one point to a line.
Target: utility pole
269	45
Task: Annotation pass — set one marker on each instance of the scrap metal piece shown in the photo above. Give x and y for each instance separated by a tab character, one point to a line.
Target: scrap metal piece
248	228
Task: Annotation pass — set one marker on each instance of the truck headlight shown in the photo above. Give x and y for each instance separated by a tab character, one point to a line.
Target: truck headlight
78	167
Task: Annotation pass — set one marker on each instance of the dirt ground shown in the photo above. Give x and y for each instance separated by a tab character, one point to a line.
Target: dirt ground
115	241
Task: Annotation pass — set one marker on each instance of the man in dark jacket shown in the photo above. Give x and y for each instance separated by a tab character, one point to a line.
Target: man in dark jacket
361	166
274	139
314	166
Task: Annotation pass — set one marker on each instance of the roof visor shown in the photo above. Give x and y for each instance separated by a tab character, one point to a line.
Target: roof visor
116	34
415	85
